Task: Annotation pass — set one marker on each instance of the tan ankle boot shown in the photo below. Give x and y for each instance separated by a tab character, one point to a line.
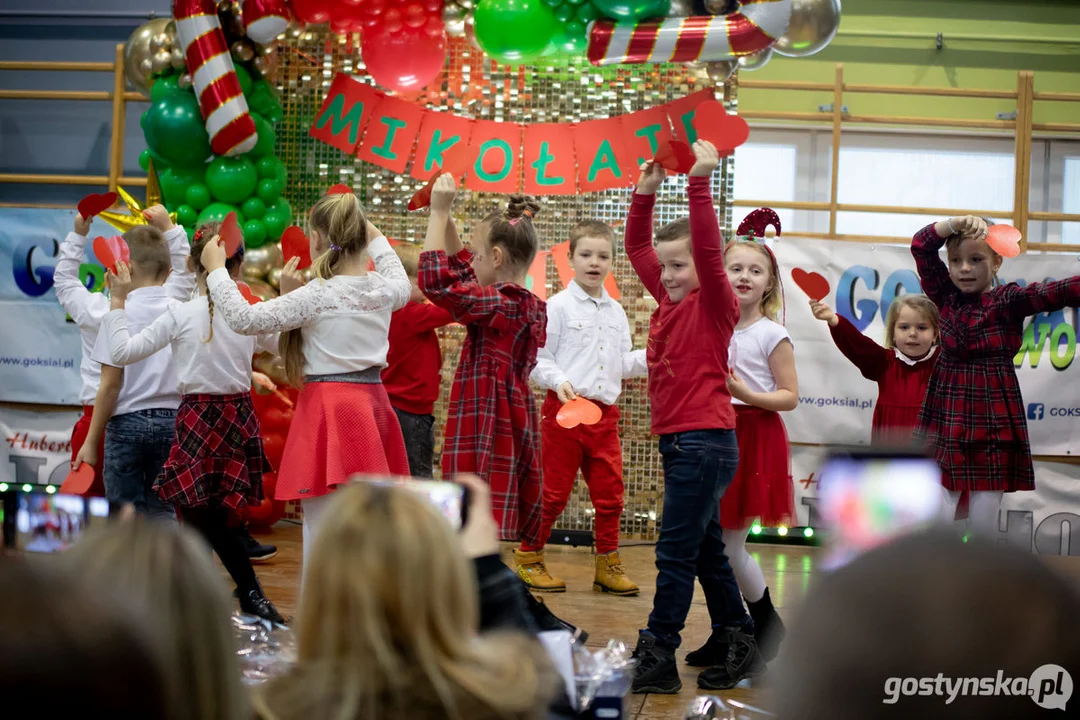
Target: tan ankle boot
610	576
531	568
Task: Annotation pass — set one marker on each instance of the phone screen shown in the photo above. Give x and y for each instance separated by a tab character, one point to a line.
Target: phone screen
49	522
866	500
447	497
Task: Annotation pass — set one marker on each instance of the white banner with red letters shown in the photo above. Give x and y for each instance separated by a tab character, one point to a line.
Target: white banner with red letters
836	402
36	447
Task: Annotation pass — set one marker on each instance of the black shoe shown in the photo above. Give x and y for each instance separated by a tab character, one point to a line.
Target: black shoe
253	602
769	630
547	620
742	660
655	671
256	551
713	652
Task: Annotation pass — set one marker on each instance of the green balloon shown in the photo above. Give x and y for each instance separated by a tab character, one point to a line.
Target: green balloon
186	215
263	99
267	138
563	13
216	212
573	39
270	190
275	223
244	77
144	159
175	183
633	9
254	233
253	208
174	129
198	195
231	179
165	86
190	231
271	167
587	12
553	3
514	31
282	206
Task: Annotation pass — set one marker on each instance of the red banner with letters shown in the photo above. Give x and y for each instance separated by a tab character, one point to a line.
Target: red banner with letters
541	159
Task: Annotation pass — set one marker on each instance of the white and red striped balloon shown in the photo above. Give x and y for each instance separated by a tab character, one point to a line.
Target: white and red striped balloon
264	20
222	102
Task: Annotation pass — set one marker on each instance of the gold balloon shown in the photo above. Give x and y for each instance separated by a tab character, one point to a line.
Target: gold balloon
721	70
813	26
277	258
161	41
272	366
269	49
184	81
274	278
138	64
262	291
179	62
719	7
242	51
756	61
466	4
454	18
267	65
681	8
257	262
162	62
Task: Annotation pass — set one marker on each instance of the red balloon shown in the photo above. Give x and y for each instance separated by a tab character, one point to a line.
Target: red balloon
269	511
313	11
403	61
276	420
274	447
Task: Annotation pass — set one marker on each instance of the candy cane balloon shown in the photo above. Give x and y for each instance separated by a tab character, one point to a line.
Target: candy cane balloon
264	20
231	129
757	25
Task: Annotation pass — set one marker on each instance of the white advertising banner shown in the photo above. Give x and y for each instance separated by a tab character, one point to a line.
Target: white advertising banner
36	446
836	402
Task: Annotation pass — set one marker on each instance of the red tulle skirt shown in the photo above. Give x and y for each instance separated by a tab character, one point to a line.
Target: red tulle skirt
339	430
762	487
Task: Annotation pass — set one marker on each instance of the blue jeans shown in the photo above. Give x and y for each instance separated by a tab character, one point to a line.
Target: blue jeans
698	467
136	447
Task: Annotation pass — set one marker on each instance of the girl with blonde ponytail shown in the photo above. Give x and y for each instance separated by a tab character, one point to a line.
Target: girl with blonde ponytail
334	342
217	462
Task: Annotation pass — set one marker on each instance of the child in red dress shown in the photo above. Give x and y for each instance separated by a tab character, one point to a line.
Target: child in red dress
762	384
902	368
491	425
973	417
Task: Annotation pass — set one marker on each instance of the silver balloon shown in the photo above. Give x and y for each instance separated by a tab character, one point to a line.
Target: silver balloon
161	62
178	60
138	64
242	51
454	18
681	8
756	61
813	26
184	81
720	71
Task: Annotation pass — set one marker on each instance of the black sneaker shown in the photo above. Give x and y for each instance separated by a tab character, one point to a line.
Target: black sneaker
547	620
655	671
713	652
257	552
253	602
741	660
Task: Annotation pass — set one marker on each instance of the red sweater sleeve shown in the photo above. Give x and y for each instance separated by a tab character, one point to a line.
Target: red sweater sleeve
639	246
871	359
428	316
708	250
933	273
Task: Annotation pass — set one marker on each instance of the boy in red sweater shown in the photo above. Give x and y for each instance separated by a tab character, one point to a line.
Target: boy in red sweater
689	335
413	370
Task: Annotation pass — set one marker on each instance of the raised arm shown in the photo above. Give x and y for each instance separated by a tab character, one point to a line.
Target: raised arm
276	315
706	244
388	265
428	316
84	307
639	230
1042	297
125	348
449	283
871	359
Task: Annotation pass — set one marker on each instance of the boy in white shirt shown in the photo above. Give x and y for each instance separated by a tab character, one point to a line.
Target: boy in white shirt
87	309
588	353
138	402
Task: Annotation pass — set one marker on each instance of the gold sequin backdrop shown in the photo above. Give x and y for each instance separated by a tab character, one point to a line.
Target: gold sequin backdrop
473	86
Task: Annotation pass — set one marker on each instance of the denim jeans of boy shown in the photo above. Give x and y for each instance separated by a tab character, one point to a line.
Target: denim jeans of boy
698	467
419	434
137	445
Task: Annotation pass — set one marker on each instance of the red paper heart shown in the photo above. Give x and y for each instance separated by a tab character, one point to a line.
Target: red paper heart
79	480
713	123
111	250
232	235
339	189
1004	240
94	204
815	286
294	243
579	411
676	156
422	198
245	290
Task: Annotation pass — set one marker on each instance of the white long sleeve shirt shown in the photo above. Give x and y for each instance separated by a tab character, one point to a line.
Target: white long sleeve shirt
88	309
221	366
345	319
589	345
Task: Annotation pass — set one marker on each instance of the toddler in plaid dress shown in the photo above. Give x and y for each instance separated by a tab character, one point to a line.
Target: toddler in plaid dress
216	462
491	426
973	416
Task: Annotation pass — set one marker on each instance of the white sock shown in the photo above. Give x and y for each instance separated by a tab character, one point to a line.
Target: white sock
314	511
983	509
747	571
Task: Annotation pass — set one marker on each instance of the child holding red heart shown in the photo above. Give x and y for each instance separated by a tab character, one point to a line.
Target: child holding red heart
973	417
902	368
763	383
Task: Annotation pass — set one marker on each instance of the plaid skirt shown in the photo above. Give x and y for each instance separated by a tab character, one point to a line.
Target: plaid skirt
217	455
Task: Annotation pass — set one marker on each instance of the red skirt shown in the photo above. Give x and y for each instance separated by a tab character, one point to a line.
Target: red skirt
78	437
217	455
339	429
762	486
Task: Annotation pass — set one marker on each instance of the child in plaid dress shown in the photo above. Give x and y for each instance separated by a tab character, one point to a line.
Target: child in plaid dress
217	461
334	343
973	416
491	426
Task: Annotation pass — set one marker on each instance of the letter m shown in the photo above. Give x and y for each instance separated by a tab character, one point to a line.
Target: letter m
334	124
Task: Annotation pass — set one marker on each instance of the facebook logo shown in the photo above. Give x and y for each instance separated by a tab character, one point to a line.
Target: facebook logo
1036	411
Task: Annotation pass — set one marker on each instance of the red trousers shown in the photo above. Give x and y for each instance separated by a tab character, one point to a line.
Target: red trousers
596	451
78	437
